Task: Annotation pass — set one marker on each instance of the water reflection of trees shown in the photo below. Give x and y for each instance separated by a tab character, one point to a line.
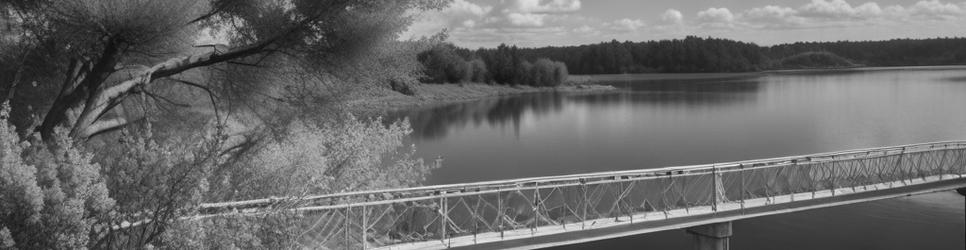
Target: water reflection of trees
744	85
435	122
695	94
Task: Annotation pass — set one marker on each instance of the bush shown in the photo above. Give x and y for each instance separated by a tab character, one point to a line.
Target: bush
156	182
350	154
337	156
477	72
52	198
543	72
443	65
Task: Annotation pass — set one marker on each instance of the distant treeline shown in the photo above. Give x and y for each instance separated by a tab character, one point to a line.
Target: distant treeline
896	52
446	63
695	54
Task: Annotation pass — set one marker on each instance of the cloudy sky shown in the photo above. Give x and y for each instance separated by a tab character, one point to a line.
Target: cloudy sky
535	23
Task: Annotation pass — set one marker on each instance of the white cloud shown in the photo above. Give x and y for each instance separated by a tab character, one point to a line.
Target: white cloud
716	17
936	10
626	24
489	22
672	16
459	14
868	10
840	13
526	19
839	9
583	29
772	16
535	6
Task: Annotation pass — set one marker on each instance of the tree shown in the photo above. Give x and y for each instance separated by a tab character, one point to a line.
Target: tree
103	53
134	65
443	65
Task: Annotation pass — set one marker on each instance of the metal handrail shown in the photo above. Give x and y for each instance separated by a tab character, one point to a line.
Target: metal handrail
437	191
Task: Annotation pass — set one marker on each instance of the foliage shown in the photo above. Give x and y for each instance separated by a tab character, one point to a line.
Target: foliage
811	60
349	154
691	54
446	63
335	156
155	183
90	58
443	65
696	54
548	73
78	71
896	52
52	196
476	71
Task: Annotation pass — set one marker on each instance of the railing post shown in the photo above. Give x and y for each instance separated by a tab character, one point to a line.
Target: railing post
791	190
583	219
684	186
499	214
833	175
942	160
476	213
630	186
919	167
365	227
536	208
445	218
741	176
899	164
348	209
714	188
621	190
960	172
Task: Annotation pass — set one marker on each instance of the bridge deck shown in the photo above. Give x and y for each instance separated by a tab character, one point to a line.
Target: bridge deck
648	222
555	210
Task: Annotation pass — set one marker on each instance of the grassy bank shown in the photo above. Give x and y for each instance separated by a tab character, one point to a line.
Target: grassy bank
381	99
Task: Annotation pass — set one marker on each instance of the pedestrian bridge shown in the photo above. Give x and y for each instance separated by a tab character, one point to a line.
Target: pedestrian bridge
561	210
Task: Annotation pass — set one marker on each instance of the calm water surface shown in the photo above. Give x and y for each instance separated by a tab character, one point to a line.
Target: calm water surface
657	123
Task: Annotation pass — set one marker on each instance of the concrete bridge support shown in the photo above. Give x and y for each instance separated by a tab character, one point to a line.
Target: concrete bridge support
711	236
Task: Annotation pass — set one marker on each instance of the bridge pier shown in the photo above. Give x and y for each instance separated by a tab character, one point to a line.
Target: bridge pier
711	236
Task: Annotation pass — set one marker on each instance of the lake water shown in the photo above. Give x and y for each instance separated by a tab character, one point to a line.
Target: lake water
718	118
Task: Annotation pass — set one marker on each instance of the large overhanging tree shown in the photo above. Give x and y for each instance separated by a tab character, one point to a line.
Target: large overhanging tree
89	65
93	55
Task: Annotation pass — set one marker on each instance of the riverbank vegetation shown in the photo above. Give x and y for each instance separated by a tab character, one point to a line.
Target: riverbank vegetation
125	115
709	55
446	63
813	60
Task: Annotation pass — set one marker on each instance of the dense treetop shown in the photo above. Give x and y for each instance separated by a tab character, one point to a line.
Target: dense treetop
696	54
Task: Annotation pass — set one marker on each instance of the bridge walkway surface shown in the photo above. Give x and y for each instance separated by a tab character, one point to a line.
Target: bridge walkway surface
561	210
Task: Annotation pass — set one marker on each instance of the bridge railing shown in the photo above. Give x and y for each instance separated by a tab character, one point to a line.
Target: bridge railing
439	216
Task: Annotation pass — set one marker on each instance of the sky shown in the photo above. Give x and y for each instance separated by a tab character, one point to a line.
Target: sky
538	23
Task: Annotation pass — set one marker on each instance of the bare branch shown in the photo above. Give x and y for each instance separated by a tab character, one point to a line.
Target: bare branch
104	126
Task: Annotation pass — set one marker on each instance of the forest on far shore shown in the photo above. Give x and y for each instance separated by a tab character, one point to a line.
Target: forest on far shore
696	54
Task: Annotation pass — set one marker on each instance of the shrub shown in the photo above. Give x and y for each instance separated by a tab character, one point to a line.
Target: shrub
550	73
156	182
443	65
53	198
478	72
336	156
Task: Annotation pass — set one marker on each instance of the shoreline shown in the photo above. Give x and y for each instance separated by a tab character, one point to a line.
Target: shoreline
381	100
385	100
596	79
